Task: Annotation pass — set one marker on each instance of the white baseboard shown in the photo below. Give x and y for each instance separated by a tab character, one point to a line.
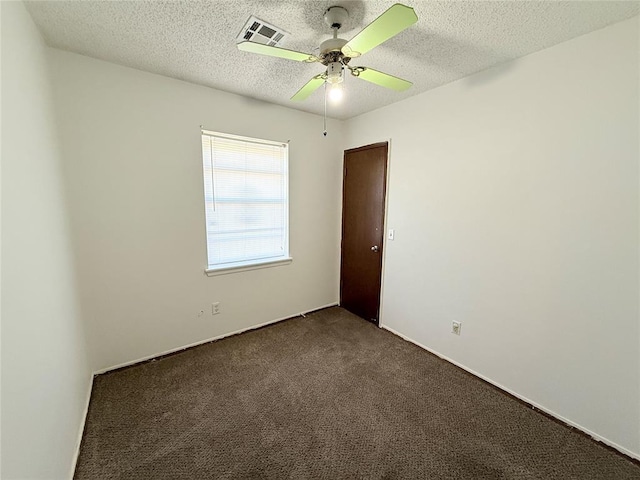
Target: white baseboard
81	429
593	435
202	342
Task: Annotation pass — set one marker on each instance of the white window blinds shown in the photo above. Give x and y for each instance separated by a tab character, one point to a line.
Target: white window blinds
246	200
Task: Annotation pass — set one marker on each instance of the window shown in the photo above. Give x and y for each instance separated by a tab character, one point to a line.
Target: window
246	190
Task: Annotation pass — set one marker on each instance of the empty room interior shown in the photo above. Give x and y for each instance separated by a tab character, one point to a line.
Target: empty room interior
320	239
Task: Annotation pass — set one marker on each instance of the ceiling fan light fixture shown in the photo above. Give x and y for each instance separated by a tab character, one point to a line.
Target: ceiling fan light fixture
336	92
334	73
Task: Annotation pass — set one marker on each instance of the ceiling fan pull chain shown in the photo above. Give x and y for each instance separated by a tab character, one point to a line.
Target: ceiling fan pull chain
325	110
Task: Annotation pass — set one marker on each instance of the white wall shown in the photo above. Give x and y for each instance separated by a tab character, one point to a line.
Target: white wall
514	197
45	372
133	164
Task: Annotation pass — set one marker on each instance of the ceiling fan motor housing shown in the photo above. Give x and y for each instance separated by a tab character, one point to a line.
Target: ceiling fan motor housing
331	50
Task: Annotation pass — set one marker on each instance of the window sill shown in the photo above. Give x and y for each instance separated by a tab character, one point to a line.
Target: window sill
212	272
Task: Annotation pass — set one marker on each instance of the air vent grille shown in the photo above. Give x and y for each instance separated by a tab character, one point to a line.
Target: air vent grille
259	31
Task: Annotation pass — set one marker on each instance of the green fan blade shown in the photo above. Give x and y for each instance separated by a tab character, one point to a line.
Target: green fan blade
390	23
276	52
310	87
383	79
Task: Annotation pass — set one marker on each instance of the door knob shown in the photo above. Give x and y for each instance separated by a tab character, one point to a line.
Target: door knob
375	248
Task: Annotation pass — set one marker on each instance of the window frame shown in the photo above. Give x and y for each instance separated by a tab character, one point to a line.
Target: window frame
246	265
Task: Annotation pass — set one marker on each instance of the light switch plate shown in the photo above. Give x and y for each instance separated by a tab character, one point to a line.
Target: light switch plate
456	327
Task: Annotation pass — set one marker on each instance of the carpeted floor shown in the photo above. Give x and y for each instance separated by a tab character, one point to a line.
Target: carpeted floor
327	396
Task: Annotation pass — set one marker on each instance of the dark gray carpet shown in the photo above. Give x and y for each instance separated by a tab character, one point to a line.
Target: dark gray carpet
327	396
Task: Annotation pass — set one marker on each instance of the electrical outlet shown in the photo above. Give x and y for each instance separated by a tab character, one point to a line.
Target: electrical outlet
456	327
215	308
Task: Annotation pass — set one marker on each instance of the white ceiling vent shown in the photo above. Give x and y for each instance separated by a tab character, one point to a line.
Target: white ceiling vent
258	31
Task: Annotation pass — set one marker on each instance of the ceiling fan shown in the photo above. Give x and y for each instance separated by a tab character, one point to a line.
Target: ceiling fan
336	53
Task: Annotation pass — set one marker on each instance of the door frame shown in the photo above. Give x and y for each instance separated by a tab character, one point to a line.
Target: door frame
385	211
386	232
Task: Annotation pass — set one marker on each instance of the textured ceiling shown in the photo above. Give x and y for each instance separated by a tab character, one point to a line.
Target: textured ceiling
195	41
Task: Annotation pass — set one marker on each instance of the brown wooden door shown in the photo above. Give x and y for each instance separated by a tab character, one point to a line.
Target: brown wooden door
363	198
